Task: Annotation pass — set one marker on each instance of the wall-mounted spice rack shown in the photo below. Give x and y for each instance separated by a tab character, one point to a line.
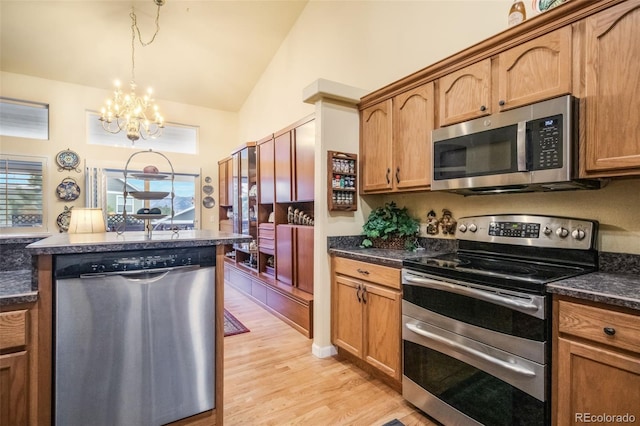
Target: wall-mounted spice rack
342	188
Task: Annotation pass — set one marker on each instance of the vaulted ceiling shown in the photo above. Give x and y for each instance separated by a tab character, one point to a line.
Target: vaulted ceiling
208	52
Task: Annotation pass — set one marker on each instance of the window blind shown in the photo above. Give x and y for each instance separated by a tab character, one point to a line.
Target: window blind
21	199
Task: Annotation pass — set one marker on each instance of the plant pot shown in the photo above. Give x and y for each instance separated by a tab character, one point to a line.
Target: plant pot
397	243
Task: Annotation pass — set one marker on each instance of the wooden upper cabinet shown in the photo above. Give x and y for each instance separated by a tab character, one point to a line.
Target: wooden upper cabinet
412	126
395	144
305	141
266	171
536	70
295	162
612	88
376	147
283	167
225	169
465	94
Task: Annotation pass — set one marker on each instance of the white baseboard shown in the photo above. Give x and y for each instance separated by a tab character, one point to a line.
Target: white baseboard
323	351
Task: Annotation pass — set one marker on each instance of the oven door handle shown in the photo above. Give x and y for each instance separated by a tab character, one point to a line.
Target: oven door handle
472	292
471	351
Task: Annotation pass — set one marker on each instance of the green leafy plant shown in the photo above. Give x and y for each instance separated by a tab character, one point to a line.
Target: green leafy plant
390	221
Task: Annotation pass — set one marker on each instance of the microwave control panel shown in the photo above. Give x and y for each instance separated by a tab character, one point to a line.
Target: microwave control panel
546	143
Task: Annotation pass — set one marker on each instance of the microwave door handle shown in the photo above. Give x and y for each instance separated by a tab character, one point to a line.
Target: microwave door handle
522	146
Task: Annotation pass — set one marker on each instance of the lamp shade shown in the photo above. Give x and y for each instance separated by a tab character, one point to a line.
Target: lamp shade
86	221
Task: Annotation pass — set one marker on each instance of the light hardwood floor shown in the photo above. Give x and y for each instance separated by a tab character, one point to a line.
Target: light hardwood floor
271	378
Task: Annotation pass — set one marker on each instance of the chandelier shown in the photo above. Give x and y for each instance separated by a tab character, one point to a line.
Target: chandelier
137	116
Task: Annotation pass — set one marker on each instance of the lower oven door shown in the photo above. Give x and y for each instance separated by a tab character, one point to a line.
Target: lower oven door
458	380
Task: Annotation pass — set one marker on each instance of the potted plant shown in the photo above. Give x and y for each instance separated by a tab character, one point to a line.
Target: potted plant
391	227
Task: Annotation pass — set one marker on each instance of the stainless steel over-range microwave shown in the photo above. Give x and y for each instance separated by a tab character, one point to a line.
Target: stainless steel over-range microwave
531	148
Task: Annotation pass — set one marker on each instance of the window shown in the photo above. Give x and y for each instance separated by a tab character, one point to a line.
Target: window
175	137
24	119
112	199
21	198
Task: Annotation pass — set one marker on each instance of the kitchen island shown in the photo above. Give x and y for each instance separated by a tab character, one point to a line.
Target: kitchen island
40	323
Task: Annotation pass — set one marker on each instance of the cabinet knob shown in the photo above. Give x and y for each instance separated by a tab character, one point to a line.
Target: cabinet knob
388	180
363	271
483	108
358	294
501	103
398	174
364	295
609	331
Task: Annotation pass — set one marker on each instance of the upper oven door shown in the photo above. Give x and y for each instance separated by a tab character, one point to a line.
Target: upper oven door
472	155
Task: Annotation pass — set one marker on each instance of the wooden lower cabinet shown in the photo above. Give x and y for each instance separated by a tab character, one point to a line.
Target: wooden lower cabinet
13	389
366	314
293	306
597	364
14	365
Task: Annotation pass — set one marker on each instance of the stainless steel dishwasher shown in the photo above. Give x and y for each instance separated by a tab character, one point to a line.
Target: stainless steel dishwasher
134	336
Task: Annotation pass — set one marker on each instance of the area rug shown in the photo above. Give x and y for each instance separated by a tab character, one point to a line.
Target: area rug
394	422
232	326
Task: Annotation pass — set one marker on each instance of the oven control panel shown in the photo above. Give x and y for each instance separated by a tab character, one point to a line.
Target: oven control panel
529	230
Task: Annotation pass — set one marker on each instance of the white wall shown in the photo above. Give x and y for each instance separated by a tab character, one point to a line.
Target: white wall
366	44
67	106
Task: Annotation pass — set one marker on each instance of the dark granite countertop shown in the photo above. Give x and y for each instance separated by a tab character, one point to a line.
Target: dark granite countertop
604	287
16	285
16	288
65	243
387	257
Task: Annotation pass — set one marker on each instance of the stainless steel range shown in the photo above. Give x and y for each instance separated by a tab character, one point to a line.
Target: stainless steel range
477	323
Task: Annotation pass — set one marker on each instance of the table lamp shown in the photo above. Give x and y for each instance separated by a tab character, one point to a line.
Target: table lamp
86	221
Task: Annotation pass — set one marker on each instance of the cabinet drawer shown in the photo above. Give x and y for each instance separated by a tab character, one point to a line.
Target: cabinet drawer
13	329
266	230
378	274
590	323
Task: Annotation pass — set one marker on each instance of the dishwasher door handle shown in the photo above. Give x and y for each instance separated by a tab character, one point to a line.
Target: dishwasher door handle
145	272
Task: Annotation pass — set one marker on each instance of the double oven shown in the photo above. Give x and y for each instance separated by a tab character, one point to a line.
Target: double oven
476	323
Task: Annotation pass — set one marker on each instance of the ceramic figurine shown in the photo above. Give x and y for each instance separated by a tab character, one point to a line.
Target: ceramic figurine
448	223
290	215
432	223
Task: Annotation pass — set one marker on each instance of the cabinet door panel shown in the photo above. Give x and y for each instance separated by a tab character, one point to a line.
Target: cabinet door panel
612	77
304	258
537	70
266	172
465	94
382	329
305	140
413	123
347	311
283	167
595	380
224	177
13	389
284	253
376	147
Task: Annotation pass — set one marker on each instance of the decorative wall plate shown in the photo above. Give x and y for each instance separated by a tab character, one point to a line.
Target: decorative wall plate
207	179
68	189
64	218
207	189
68	160
208	202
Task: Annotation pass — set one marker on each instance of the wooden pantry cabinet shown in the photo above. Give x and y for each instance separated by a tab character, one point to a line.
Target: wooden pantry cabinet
597	361
530	72
366	313
612	84
395	143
